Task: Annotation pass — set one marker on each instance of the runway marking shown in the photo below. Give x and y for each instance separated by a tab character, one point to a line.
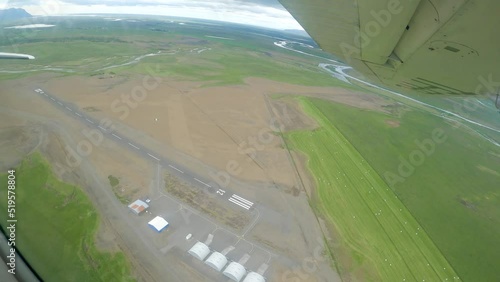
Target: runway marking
152	156
202	182
69	109
52	99
116	136
78	114
133	146
89	121
183	172
102	128
242	199
60	103
44	94
239	204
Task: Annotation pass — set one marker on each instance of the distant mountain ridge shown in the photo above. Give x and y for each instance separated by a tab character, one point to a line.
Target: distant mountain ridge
13	14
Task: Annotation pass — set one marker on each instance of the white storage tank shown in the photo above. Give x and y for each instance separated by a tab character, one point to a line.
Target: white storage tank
199	251
235	271
254	277
216	261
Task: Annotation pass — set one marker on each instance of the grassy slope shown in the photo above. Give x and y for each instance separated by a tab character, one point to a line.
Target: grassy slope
436	192
371	220
56	227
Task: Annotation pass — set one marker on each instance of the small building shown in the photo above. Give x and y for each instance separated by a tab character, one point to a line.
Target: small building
138	207
199	251
254	277
235	271
158	223
216	261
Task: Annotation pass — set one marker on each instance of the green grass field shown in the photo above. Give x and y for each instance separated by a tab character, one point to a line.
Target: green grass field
224	66
84	47
453	194
382	239
56	228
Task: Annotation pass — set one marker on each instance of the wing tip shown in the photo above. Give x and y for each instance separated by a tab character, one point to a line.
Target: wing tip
16	56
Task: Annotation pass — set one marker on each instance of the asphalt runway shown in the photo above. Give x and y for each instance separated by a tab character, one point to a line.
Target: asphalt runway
184	173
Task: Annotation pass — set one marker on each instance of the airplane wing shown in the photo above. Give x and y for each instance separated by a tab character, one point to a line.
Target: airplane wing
16	56
416	46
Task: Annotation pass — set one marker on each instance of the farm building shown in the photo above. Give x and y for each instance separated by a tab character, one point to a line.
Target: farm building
138	207
199	251
158	223
235	271
254	277
216	261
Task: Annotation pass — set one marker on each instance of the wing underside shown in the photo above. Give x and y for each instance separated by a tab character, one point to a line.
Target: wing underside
422	46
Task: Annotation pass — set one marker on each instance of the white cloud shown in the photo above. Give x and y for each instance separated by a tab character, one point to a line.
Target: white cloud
271	16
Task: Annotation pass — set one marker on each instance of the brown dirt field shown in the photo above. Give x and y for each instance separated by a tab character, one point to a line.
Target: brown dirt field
335	94
291	116
392	123
16	141
305	175
212	124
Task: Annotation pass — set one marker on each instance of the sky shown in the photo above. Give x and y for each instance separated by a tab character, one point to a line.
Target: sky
266	13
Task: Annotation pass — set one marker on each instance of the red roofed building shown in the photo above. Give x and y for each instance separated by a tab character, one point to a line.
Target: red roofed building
138	207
